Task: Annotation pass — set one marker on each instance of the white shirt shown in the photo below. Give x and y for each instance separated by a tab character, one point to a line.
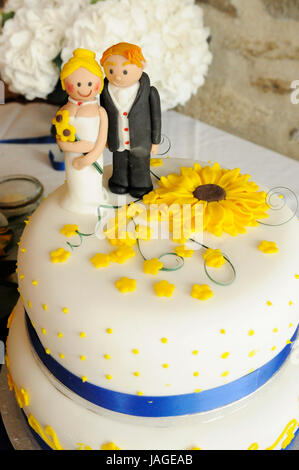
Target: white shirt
123	98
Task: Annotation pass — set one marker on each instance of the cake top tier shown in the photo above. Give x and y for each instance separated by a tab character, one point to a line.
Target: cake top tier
158	317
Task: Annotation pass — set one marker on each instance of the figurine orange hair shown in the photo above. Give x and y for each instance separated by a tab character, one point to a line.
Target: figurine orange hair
130	51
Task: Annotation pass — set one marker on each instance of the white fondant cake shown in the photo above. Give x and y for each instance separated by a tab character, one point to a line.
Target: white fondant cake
143	345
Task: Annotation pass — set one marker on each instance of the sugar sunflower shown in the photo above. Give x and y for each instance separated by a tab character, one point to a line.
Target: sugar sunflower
229	201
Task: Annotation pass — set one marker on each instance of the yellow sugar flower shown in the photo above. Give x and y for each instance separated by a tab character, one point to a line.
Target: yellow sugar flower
59	256
64	130
183	252
69	230
214	258
143	232
135	209
201	292
125	285
268	247
110	446
164	289
228	200
122	254
152	266
100	260
156	162
125	238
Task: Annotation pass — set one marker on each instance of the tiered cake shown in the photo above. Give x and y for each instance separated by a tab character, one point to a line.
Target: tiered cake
118	343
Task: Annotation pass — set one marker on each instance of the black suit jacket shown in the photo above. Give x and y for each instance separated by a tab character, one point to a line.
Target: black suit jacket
144	119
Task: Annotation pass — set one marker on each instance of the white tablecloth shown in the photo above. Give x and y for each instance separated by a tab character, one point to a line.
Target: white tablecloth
189	138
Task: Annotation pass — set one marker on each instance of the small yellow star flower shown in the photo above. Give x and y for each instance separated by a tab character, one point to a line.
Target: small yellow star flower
100	260
135	209
268	247
214	258
164	289
183	252
152	266
143	232
122	254
156	162
125	238
110	446
69	230
59	256
125	285
201	292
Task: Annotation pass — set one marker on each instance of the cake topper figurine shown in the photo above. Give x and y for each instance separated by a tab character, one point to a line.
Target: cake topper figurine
81	132
134	112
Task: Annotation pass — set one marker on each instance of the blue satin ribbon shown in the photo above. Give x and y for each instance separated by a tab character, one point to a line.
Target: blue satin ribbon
160	406
45	139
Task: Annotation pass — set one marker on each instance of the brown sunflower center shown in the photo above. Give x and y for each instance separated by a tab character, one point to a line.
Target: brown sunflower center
209	193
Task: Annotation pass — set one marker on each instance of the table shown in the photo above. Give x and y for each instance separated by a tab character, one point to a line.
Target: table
189	138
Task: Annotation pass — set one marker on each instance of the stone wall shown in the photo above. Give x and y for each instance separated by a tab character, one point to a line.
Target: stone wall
255	44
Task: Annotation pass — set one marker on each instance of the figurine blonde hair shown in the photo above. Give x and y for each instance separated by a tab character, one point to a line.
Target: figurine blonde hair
82	58
130	51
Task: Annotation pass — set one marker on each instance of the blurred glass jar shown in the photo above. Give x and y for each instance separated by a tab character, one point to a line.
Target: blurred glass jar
19	195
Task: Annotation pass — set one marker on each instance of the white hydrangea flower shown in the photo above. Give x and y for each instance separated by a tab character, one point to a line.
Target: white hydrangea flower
170	32
31	40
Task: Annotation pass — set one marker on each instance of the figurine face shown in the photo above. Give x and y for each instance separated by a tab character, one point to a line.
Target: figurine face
120	72
82	85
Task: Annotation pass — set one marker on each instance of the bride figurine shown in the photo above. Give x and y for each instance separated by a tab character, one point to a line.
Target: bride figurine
81	128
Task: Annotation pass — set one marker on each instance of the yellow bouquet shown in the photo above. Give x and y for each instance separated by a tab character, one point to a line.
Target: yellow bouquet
64	131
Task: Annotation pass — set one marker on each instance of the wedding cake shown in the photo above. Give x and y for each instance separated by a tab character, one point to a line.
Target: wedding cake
125	338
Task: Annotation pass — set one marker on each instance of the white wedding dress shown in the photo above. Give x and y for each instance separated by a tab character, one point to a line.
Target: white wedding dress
83	188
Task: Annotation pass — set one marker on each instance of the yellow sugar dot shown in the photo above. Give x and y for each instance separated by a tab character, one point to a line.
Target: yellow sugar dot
222	331
48	351
109	331
22	276
61	355
44	332
197	390
273	349
135	351
275	330
167	385
136	374
290	303
45	307
251	332
290	325
29	304
140	393
82	334
224	355
65	310
251	370
108	377
165	366
195	352
107	356
296	276
225	374
23	250
269	303
288	341
196	374
82	358
84	379
60	335
164	340
35	283
252	353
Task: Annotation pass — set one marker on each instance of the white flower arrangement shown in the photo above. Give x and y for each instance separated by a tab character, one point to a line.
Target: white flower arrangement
170	33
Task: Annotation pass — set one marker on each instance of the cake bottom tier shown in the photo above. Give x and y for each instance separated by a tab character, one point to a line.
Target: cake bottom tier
267	419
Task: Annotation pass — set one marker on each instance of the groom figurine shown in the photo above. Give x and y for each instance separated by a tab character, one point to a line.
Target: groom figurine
134	113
